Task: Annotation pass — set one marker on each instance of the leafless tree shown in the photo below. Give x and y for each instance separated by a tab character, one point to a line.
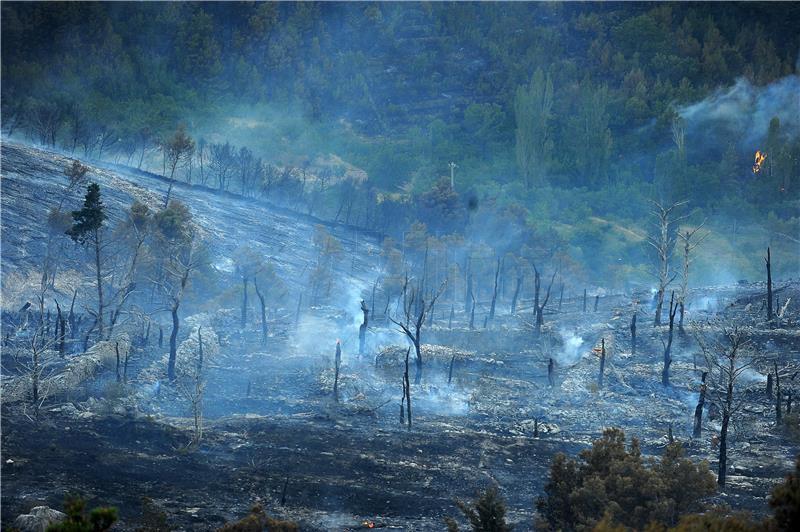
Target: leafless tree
690	239
663	241
415	308
537	308
728	353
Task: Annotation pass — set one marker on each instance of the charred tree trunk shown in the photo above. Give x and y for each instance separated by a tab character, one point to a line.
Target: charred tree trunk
668	346
71	317
407	385
450	373
173	343
551	373
698	411
602	363
418	360
468	296
160	336
596	301
768	260
584	300
789	402
244	303
452	315
472	315
494	292
61	332
337	362
769	385
777	394
362	330
116	350
517	288
561	297
99	285
262	301
723	444
633	334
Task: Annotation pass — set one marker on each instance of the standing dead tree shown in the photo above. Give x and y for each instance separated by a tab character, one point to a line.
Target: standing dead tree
673	308
337	362
768	261
663	241
406	393
698	411
537	308
362	329
415	308
689	240
728	354
494	291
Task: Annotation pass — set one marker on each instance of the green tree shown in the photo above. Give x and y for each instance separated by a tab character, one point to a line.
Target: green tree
98	520
533	111
178	151
615	480
87	229
487	514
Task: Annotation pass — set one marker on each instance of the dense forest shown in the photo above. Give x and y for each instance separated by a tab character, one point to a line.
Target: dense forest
562	120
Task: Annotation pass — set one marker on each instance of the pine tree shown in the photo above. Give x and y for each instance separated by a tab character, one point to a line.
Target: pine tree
86	229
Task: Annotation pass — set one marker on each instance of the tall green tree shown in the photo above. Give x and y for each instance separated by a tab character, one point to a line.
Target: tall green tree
87	230
533	110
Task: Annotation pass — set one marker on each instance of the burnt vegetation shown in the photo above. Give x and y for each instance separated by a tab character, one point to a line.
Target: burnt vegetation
561	238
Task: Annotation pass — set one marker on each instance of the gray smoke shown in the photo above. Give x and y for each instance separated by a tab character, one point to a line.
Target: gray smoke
746	109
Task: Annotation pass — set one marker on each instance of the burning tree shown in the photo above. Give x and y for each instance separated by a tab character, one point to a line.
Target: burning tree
663	241
415	308
727	353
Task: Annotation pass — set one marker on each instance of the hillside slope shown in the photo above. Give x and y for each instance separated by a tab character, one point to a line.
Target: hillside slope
33	182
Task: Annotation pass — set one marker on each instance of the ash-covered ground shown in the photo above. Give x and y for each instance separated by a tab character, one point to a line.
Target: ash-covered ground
486	410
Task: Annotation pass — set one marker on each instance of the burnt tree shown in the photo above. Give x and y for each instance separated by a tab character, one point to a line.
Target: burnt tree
362	330
663	241
337	361
673	308
729	354
415	308
698	411
768	260
537	308
494	291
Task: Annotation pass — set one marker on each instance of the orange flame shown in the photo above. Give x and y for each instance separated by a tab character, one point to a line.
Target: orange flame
368	524
759	160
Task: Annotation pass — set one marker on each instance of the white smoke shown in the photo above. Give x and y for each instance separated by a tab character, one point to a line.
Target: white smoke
748	108
571	349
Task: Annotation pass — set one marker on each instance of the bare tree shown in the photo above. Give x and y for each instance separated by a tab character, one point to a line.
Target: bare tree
673	307
537	308
664	244
727	354
222	161
689	240
415	308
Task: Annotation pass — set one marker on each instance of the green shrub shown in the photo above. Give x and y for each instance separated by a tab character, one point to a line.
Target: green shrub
98	520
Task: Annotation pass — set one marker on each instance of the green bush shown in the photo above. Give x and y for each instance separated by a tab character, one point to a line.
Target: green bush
98	520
